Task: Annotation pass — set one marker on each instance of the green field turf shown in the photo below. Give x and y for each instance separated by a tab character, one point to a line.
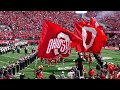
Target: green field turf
29	71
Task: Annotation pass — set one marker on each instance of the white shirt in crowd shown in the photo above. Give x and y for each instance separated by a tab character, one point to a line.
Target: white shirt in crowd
71	75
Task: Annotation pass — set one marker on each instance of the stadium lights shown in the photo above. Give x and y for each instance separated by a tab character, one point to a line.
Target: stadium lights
80	12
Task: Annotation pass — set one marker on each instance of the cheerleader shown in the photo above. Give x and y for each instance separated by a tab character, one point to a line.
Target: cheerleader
40	75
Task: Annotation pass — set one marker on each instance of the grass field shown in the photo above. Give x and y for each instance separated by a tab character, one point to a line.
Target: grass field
29	71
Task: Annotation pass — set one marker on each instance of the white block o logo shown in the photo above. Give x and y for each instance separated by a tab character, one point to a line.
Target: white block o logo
84	36
66	37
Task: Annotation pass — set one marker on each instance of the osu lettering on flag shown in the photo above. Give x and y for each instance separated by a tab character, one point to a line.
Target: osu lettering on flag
93	38
56	40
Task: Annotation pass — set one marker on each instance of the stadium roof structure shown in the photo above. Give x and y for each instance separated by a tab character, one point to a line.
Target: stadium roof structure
80	12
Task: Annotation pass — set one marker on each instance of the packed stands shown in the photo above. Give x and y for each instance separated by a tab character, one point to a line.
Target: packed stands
110	18
21	22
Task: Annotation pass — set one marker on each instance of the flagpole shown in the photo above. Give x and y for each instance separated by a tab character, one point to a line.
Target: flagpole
89	60
35	63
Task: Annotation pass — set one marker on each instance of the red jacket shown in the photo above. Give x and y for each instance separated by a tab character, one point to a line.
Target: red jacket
103	77
40	76
1	78
91	72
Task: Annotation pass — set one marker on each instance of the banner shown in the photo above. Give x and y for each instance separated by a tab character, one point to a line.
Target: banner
55	40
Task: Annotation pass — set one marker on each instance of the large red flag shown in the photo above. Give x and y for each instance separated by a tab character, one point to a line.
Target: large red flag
55	40
77	31
83	22
93	38
94	22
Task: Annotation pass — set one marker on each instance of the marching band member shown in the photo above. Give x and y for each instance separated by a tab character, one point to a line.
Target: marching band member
5	70
23	63
0	51
13	68
26	62
26	50
17	66
18	49
10	70
20	64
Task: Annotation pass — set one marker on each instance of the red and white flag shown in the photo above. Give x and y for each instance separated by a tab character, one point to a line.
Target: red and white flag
55	40
77	31
92	38
94	22
83	22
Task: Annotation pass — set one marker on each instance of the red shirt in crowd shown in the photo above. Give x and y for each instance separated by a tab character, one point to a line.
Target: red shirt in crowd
40	76
103	77
110	68
91	72
1	78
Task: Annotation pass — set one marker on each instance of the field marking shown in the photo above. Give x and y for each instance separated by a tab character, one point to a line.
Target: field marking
10	57
4	62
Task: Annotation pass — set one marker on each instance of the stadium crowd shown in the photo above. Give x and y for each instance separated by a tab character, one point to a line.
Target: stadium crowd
27	25
110	19
21	22
114	41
